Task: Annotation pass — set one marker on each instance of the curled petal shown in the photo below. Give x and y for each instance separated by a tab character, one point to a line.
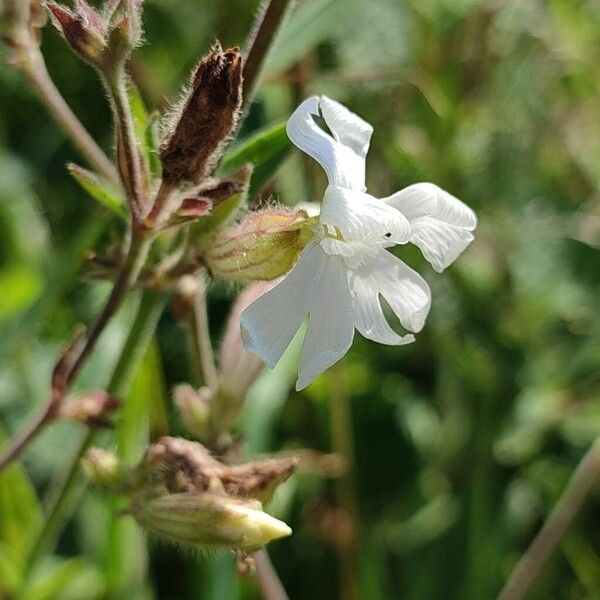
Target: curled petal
359	216
341	154
441	224
405	291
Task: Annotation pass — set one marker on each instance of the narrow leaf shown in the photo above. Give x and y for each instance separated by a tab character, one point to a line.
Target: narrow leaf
99	189
266	150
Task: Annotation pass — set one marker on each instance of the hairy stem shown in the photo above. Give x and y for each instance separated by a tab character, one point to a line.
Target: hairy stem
556	526
31	62
128	274
268	581
64	494
270	16
200	338
128	154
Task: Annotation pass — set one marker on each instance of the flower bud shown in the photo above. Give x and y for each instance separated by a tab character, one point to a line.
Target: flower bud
194	408
125	22
91	410
83	29
105	470
104	41
263	246
209	521
209	112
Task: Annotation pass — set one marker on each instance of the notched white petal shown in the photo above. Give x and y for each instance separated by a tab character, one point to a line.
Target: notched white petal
404	290
269	323
330	324
316	287
359	216
441	224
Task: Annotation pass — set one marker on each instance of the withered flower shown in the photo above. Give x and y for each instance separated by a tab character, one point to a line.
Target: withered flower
207	117
184	495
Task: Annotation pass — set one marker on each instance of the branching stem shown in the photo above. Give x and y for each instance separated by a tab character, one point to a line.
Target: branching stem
128	274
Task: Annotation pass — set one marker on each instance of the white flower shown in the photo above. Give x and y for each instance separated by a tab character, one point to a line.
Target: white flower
342	272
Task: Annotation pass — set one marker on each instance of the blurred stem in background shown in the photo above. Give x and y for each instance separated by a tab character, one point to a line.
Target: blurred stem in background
342	443
555	527
267	24
30	61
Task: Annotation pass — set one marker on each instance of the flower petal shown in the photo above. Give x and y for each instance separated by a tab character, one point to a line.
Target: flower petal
316	287
341	156
330	325
270	322
441	224
359	215
405	291
346	127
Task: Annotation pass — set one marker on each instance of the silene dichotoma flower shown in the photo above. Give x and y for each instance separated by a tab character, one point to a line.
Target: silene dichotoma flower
345	268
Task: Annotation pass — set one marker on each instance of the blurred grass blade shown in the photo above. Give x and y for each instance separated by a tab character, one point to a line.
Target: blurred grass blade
60	279
125	555
11	571
99	189
56	581
310	24
20	510
266	150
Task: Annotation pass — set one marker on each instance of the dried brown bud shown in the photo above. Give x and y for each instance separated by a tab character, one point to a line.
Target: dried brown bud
91	410
174	465
207	118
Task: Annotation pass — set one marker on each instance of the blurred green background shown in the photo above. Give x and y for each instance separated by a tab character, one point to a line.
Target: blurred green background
459	443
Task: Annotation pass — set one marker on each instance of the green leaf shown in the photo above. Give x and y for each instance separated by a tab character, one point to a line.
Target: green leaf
11	571
99	189
20	285
57	580
20	511
60	278
309	25
145	129
147	394
266	150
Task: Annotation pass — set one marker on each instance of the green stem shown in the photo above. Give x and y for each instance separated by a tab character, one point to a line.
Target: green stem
342	443
65	493
128	154
200	338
